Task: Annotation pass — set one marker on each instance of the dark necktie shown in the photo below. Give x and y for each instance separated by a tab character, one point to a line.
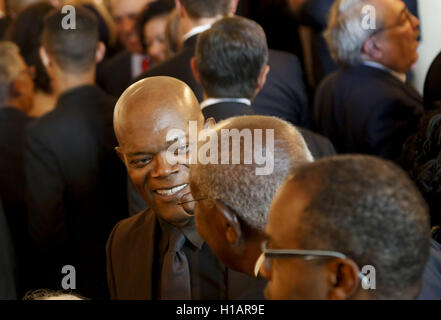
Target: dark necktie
175	275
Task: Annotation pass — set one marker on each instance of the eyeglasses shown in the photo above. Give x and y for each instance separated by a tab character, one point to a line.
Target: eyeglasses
268	254
398	24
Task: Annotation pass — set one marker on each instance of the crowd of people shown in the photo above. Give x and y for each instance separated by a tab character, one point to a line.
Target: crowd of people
104	171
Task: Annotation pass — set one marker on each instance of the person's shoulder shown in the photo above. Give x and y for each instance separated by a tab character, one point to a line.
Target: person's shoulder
118	59
125	229
172	66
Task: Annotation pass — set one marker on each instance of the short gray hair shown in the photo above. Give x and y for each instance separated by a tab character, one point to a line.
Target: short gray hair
345	34
11	64
237	185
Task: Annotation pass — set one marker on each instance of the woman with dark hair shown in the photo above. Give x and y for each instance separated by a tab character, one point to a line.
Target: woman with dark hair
151	25
26	32
421	158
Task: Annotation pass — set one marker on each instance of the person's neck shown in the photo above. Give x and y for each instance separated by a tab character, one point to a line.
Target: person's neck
63	82
188	24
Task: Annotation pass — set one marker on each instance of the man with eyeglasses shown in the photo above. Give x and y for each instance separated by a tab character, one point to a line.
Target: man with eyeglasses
366	106
336	227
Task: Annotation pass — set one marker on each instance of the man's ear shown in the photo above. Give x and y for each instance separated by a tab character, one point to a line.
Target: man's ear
343	279
44	56
262	77
233	230
194	69
100	52
180	8
209	123
233	7
372	49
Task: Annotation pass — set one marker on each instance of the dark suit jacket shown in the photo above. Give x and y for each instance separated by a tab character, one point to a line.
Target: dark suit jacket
367	110
319	145
7	258
432	92
225	110
115	75
131	274
431	289
12	185
76	185
283	95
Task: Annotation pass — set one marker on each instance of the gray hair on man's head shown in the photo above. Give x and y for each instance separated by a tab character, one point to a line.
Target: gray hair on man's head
345	34
237	185
11	64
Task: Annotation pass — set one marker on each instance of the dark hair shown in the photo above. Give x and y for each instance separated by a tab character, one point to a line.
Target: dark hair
74	50
230	57
197	9
421	158
26	32
152	10
368	209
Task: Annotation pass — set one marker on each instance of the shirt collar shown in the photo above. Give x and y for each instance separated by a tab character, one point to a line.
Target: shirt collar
211	101
398	75
195	31
190	232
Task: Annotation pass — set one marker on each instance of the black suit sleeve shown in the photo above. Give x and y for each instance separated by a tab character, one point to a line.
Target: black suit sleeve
314	13
7	263
45	188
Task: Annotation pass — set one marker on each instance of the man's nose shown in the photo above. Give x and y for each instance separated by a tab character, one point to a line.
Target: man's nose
414	21
162	167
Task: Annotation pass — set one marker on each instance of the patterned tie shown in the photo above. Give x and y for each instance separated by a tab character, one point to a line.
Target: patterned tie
175	275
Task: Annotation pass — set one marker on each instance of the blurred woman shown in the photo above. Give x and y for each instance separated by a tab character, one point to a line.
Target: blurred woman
151	26
26	32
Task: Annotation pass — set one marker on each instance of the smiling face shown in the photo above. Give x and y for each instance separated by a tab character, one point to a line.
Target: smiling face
154	38
142	134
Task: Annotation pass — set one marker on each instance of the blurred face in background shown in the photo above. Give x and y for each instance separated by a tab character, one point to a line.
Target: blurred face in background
155	39
125	13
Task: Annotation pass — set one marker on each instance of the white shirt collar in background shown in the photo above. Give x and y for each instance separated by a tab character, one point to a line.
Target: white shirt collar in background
211	101
195	31
398	75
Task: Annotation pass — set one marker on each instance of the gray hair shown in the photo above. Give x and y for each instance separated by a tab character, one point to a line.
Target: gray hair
345	34
237	185
11	64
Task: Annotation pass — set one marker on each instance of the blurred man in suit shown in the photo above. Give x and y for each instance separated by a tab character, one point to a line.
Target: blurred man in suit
283	94
16	99
76	182
116	74
338	229
366	106
8	289
232	201
158	254
314	14
231	64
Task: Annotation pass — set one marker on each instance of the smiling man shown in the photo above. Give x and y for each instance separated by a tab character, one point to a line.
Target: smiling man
158	254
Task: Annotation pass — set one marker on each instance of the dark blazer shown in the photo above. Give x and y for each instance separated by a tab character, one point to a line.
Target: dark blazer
431	288
367	110
12	186
76	185
318	145
115	75
225	110
432	92
283	95
131	274
7	258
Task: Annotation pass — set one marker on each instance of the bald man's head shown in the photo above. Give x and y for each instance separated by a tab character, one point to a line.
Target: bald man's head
144	115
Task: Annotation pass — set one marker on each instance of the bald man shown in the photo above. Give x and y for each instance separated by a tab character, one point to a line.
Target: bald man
158	254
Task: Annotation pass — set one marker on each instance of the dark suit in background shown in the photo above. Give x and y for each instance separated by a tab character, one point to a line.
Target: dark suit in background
7	261
432	84
115	75
13	186
224	110
367	110
132	265
283	94
77	187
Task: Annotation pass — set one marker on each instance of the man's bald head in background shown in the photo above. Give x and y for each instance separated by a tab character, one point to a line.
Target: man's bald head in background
145	113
